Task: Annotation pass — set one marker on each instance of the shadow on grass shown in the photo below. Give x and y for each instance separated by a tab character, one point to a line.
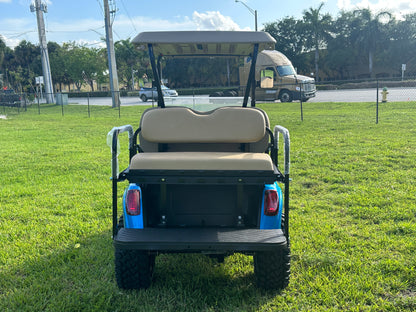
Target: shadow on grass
80	277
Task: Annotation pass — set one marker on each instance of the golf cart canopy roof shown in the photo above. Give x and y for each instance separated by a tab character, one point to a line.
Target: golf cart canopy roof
204	43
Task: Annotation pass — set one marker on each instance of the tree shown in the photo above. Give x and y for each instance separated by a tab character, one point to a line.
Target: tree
342	54
130	61
2	50
84	65
369	32
288	35
317	29
57	60
290	40
24	65
401	44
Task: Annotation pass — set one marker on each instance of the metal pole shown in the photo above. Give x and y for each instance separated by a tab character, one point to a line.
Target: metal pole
88	99
40	7
160	100
114	179
254	12
38	105
251	78
132	78
301	103
111	57
377	104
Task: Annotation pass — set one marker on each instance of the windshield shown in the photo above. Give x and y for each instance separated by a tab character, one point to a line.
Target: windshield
285	70
204	103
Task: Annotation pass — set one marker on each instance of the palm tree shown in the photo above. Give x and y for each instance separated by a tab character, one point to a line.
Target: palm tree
369	32
317	28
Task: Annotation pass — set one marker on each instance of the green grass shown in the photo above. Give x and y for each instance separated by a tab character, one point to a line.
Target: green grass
353	217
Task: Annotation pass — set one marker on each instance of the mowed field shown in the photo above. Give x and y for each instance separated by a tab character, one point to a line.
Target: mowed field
352	221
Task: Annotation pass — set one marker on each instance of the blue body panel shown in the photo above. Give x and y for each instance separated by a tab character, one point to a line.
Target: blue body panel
272	222
133	222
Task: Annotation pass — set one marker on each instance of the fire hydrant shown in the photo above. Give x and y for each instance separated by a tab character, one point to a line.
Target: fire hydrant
384	95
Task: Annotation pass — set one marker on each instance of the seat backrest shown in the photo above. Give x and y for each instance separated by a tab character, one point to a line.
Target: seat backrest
223	129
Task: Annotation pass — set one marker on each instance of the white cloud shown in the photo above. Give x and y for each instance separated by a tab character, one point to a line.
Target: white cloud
210	20
5	1
11	42
213	20
397	7
90	31
14	30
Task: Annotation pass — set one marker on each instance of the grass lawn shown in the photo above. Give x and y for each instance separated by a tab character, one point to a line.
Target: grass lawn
353	217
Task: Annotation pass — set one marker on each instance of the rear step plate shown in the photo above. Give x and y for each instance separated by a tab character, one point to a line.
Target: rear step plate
199	239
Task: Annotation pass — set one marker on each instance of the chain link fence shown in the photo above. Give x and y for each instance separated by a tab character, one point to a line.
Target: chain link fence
371	91
398	90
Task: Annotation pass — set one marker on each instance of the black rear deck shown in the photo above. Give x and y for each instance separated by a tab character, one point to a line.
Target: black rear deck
232	177
199	239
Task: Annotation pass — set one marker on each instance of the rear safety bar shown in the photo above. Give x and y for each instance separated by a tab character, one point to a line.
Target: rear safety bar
112	140
286	153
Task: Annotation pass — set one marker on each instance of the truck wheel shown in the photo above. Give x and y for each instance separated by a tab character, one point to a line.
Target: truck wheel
134	268
285	96
144	98
272	269
230	93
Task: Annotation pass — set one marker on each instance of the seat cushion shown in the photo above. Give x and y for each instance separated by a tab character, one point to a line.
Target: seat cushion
184	125
201	161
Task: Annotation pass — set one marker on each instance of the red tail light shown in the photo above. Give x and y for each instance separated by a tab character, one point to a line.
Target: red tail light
133	202
271	203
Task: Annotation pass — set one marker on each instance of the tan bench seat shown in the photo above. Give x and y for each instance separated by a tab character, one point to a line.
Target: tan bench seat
201	161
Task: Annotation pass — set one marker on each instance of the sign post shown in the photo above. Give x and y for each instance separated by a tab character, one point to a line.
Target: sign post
39	82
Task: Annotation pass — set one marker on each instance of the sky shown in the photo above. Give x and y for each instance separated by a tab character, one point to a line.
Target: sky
82	21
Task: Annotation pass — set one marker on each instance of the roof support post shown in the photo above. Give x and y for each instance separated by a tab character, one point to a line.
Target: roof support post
159	67
160	100
251	83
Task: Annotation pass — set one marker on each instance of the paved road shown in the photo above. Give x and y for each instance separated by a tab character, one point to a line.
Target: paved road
365	95
356	95
125	101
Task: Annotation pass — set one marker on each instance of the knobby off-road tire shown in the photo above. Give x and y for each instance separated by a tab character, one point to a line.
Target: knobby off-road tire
134	268
272	268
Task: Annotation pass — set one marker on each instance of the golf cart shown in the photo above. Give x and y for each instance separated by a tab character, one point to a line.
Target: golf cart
202	179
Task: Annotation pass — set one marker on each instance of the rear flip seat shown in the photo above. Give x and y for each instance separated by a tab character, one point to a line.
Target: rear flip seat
228	138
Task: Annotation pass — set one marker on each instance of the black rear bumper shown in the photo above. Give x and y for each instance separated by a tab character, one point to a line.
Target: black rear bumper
199	239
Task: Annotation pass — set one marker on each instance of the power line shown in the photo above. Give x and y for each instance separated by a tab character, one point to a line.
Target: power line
102	9
128	15
16	35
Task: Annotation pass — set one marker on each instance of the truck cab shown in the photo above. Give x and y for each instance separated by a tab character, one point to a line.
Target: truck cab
277	79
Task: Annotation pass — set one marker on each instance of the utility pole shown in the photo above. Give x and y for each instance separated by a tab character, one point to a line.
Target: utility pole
115	92
40	8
